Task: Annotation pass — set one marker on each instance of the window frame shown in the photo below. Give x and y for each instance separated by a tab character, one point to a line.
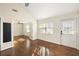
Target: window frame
46	28
66	24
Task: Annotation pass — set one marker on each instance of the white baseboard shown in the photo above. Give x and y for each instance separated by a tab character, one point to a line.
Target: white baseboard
5	46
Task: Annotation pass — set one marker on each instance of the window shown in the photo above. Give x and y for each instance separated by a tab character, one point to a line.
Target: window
27	28
49	28
43	28
46	28
68	27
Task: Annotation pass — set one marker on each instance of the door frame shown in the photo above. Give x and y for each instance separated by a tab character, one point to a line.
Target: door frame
69	19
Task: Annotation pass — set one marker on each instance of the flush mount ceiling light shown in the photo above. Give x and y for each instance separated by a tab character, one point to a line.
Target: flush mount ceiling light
26	4
14	10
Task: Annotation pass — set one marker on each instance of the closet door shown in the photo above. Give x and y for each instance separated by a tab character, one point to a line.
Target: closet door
68	32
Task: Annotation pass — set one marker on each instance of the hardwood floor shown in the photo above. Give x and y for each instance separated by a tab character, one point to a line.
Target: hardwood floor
59	50
23	46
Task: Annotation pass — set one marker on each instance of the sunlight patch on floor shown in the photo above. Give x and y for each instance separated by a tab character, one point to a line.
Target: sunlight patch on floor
21	40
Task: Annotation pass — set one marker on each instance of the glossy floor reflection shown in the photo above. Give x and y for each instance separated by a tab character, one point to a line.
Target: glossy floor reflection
24	46
41	51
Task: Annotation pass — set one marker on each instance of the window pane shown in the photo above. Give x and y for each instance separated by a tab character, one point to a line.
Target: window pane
46	28
49	29
49	25
42	28
42	25
68	27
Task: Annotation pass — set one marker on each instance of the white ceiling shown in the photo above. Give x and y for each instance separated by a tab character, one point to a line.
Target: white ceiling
23	15
45	10
39	10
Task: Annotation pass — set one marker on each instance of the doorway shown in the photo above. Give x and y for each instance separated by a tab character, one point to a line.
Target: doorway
68	32
28	30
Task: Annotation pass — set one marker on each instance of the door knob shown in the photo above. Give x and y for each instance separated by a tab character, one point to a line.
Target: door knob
61	32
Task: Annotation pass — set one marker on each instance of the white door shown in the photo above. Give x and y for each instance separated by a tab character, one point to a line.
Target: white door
68	32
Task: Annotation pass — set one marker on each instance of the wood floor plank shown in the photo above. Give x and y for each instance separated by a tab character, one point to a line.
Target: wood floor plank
23	46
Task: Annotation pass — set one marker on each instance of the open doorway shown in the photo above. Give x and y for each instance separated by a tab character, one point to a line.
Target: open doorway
22	34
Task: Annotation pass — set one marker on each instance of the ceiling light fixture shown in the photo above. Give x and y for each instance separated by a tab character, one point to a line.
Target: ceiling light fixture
26	4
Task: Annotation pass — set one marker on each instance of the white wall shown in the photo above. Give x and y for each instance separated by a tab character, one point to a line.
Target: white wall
55	37
7	15
50	37
33	29
30	29
34	34
17	29
7	44
0	33
78	32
